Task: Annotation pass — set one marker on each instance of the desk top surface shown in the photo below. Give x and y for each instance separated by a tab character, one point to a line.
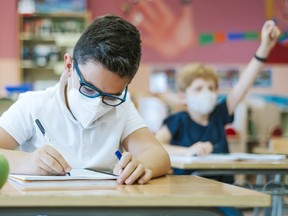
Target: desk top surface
229	165
265	150
172	191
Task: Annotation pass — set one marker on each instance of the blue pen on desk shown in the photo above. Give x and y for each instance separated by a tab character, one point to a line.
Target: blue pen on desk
118	154
41	128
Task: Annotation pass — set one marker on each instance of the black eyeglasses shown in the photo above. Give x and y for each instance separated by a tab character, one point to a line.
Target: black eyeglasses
92	92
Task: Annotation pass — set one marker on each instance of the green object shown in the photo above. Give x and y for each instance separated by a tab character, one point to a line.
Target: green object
252	133
251	36
206	38
4	170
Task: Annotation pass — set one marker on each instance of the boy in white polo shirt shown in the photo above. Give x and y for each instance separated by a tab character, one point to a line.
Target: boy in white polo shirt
88	115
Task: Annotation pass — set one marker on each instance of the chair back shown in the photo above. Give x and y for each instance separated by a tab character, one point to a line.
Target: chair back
5	103
278	145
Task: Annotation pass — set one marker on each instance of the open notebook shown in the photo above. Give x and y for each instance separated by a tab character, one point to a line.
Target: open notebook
79	179
226	157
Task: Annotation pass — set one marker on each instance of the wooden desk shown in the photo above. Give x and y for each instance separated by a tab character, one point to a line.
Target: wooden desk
168	194
254	167
263	150
238	167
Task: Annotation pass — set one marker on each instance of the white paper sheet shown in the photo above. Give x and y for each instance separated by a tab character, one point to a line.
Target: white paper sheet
76	174
24	186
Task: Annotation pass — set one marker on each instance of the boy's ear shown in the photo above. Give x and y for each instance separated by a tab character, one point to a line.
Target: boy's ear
68	60
182	97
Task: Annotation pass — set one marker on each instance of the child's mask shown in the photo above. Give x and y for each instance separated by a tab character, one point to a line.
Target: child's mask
86	110
203	102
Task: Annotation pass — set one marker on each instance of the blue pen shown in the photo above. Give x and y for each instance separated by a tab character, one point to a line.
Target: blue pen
118	154
43	131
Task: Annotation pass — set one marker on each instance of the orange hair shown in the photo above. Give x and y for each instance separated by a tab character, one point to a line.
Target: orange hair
188	73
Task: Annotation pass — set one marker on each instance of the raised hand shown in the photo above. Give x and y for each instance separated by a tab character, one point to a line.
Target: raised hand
269	36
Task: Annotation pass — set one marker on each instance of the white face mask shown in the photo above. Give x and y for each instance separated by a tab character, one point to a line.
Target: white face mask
86	110
203	102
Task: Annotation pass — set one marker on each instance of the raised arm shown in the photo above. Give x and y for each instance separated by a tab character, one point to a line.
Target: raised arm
269	36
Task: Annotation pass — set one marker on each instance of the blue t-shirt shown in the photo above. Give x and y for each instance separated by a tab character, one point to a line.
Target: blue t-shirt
186	132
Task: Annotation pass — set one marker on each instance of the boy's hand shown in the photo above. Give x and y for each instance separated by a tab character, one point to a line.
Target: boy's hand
200	149
130	170
47	161
269	36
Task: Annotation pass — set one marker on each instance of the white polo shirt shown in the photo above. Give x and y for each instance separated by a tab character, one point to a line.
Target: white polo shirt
91	147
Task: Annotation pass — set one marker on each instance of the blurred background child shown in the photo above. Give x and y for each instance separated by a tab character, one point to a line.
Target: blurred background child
201	129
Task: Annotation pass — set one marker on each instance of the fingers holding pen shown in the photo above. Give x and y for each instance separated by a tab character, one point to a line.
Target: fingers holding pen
50	161
131	170
122	163
146	177
131	173
58	160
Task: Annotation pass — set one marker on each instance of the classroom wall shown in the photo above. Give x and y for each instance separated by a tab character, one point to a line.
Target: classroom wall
227	15
210	16
140	84
9	44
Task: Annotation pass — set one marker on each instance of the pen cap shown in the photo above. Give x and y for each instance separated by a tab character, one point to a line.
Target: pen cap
118	154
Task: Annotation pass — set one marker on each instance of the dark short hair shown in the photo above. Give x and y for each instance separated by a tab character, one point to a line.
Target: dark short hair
113	42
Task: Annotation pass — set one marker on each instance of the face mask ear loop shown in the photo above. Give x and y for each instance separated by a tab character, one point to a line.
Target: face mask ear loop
72	76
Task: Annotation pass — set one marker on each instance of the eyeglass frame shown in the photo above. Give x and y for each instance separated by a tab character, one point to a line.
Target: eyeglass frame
82	82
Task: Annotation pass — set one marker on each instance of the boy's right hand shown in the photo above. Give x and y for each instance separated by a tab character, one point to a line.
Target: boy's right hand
200	149
47	161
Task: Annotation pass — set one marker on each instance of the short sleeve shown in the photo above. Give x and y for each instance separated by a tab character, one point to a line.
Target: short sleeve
16	121
133	120
222	111
172	123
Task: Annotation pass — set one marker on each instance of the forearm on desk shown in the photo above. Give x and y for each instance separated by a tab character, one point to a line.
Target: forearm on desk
157	161
143	145
16	160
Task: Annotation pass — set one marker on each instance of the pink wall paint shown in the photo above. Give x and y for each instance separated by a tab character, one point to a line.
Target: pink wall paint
220	15
9	43
244	15
209	16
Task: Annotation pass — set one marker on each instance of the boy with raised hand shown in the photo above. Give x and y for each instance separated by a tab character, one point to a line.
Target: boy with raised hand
201	129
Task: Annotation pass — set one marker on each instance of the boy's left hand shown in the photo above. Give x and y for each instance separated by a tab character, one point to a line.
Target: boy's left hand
130	170
269	34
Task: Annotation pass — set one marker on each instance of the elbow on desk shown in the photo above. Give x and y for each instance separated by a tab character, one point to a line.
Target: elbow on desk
166	165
